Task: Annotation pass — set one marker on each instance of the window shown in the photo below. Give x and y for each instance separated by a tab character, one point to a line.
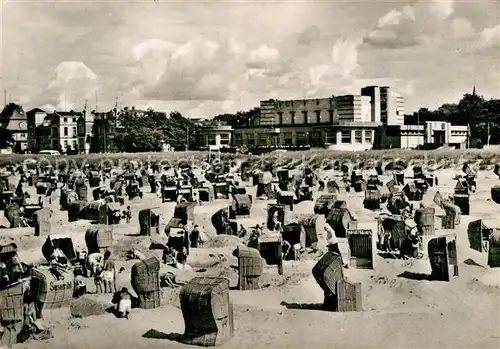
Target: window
238	139
345	137
318	116
330	112
211	139
74	131
65	144
280	117
301	138
251	139
288	138
224	138
262	139
65	120
331	137
358	136
65	131
315	139
292	114
368	136
75	145
305	117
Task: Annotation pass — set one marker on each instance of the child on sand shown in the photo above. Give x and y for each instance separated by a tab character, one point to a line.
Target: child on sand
124	303
128	214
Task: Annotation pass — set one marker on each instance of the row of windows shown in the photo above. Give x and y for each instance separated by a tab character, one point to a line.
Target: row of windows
346	137
55	144
302	138
55	131
280	103
293	118
224	139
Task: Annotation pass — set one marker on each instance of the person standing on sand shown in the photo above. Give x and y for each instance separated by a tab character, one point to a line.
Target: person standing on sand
332	242
109	273
195	237
128	214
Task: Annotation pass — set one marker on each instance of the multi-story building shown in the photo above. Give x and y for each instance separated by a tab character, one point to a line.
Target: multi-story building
342	123
351	122
103	131
374	93
392	109
35	119
85	124
14	125
64	130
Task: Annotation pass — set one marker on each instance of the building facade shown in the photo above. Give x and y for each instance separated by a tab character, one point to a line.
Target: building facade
85	125
37	139
339	122
64	130
373	119
103	132
430	135
434	134
14	125
216	136
392	111
373	92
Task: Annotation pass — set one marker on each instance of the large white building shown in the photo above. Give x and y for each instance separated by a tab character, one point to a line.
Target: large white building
347	123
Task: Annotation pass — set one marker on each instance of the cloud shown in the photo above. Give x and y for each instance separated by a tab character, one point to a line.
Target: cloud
461	28
200	69
490	37
339	73
73	82
309	35
203	58
263	57
423	22
345	56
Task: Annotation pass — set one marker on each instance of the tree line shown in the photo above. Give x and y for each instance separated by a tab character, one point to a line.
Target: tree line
481	114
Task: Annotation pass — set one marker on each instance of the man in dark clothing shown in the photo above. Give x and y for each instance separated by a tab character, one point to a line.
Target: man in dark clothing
195	235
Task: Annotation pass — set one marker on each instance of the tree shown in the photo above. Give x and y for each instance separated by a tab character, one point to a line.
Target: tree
241	118
148	132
